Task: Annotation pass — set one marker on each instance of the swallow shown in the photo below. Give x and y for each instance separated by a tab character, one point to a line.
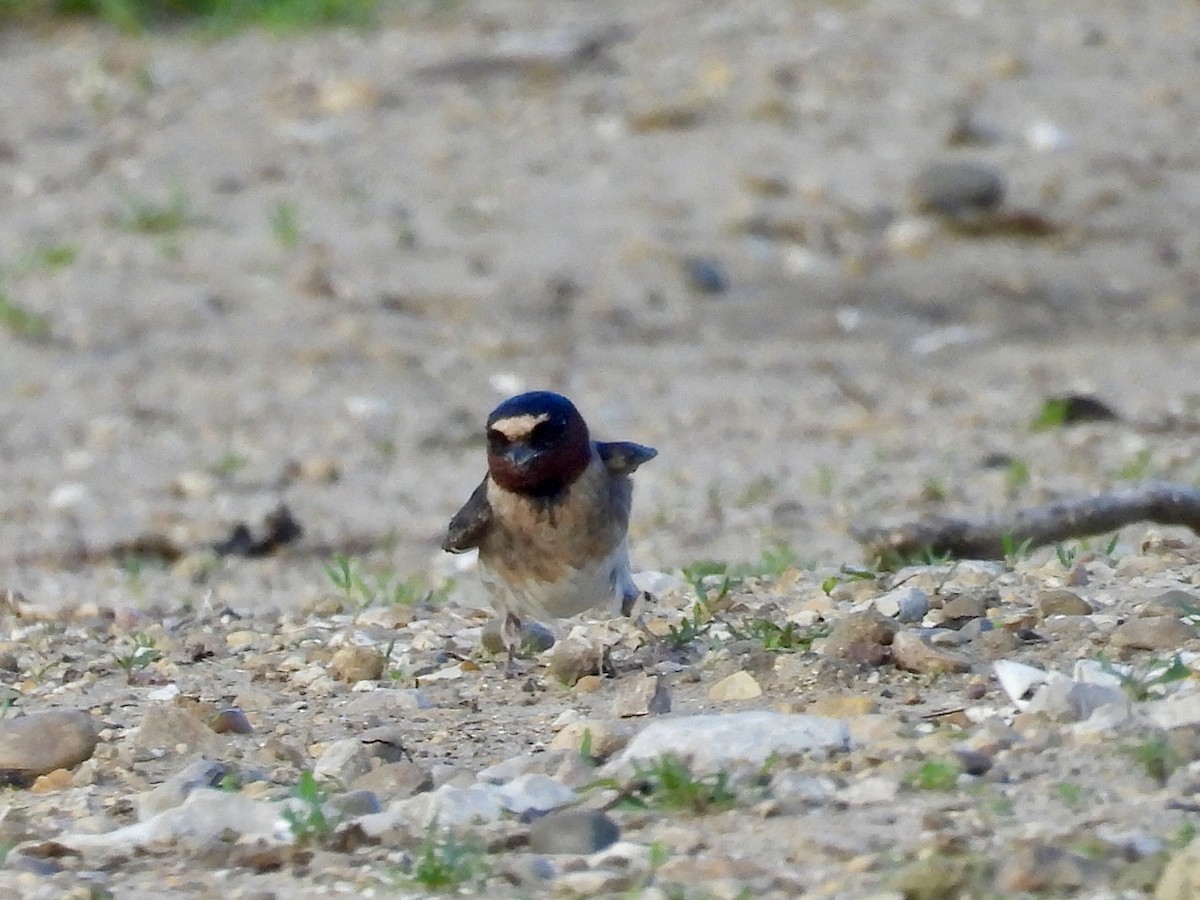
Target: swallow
551	517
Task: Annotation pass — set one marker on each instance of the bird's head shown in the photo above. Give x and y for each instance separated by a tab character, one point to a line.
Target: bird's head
537	443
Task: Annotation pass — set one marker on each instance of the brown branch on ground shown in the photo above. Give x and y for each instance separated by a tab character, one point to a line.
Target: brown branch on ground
991	537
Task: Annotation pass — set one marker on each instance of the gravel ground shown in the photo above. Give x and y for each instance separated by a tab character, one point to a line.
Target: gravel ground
258	271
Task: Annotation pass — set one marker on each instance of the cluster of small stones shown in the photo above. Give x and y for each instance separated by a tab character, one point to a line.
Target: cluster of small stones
947	729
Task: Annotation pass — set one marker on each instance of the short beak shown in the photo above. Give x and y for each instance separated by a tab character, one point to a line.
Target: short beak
520	455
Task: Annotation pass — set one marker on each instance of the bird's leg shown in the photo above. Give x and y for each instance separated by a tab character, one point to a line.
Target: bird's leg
510	636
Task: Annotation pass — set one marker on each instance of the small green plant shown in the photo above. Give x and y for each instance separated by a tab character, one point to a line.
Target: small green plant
285	224
1053	414
142	653
22	323
229	464
934	490
1066	555
1137	468
147	216
1157	756
1142	686
693	627
824	481
385	589
668	783
306	816
1013	552
710	580
1069	793
1016	475
216	16
847	574
1184	836
445	860
934	775
53	256
786	638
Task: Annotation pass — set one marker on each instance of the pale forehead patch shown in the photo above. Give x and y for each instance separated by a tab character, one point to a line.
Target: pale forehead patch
515	427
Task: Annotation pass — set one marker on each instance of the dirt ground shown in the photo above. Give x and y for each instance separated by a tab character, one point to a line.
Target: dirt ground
255	270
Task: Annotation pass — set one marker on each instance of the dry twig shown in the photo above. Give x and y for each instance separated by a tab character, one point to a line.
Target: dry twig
991	537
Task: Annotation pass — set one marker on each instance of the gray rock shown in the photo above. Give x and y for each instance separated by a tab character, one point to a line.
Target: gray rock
1181	879
352	804
1066	700
714	743
1157	633
574	657
1061	602
913	653
1172	603
904	604
573	831
1029	867
450	806
168	727
957	188
964	607
41	742
535	637
385	743
204	821
203	773
861	637
395	780
343	761
534	794
352	664
641	695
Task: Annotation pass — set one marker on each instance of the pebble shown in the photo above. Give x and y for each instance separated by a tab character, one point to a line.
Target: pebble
231	720
534	793
353	663
1181	878
964	607
1156	633
602	738
641	695
535	637
395	780
707	276
343	761
713	743
582	831
204	822
912	653
574	657
203	773
738	686
166	726
1030	867
904	604
957	188
41	742
861	637
1061	602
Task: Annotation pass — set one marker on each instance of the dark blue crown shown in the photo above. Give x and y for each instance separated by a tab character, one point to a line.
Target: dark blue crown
535	403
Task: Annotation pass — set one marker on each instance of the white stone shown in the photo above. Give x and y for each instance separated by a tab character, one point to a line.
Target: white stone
714	743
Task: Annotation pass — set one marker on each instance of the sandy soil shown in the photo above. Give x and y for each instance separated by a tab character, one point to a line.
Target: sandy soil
375	237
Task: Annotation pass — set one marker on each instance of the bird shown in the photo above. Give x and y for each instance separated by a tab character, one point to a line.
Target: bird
551	517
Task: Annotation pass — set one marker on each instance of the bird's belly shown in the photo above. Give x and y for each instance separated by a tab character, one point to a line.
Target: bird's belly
575	591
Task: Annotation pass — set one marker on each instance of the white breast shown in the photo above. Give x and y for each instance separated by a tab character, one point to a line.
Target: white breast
604	583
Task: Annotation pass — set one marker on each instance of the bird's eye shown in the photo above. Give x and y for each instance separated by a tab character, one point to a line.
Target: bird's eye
545	433
497	439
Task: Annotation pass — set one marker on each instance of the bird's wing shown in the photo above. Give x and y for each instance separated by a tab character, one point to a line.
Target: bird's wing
623	457
470	523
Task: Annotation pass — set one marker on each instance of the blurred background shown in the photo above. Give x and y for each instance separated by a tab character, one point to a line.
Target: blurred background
835	260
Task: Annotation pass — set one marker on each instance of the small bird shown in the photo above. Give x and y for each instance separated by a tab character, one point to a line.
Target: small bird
551	516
